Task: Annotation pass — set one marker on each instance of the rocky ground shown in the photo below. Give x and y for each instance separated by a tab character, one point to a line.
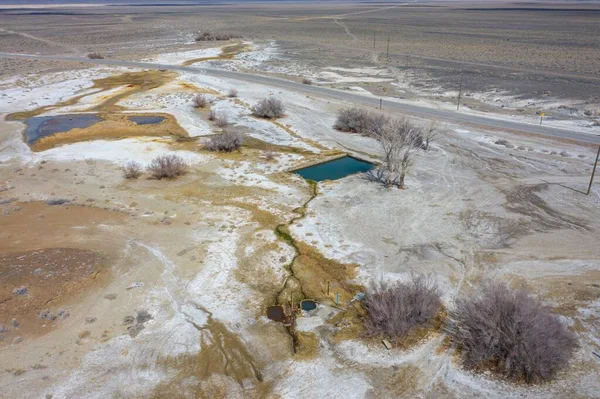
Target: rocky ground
158	288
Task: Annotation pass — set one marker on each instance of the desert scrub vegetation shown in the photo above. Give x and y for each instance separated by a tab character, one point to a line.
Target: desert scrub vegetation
132	170
167	166
395	310
221	120
511	333
225	142
306	81
269	108
95	56
200	101
358	120
215	37
233	93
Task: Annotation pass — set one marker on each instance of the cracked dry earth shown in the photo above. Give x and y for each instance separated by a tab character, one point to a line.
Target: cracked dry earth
200	257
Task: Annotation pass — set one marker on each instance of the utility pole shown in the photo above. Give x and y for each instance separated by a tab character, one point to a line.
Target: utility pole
374	39
459	92
388	50
593	172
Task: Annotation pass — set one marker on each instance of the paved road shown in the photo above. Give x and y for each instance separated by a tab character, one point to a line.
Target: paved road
411	109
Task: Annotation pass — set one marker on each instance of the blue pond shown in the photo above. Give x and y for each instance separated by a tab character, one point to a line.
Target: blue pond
42	126
335	169
146	120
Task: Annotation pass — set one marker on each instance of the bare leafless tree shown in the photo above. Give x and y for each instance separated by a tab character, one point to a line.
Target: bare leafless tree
200	101
399	140
430	132
167	166
132	170
511	333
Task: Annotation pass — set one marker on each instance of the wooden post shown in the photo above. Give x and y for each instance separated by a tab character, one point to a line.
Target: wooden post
380	103
388	50
459	92
593	172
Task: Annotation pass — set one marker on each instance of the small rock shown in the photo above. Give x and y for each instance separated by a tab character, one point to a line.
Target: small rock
248	384
14	323
143	316
46	314
20	291
134	330
3	328
110	297
137	284
63	314
128	320
90	320
60	201
17	340
38	271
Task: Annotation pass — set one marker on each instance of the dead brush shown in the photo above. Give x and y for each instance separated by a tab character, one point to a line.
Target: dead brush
167	166
225	142
395	309
222	121
200	101
269	108
233	93
358	120
511	333
132	170
95	56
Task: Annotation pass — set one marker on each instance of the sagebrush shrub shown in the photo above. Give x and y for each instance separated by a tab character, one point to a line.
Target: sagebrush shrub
221	120
269	108
358	120
225	142
394	309
200	101
209	36
167	166
511	333
132	170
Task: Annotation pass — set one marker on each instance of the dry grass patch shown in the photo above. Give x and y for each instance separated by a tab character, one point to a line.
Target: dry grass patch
307	345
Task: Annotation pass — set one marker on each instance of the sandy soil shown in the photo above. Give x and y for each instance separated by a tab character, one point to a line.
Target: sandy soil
158	288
